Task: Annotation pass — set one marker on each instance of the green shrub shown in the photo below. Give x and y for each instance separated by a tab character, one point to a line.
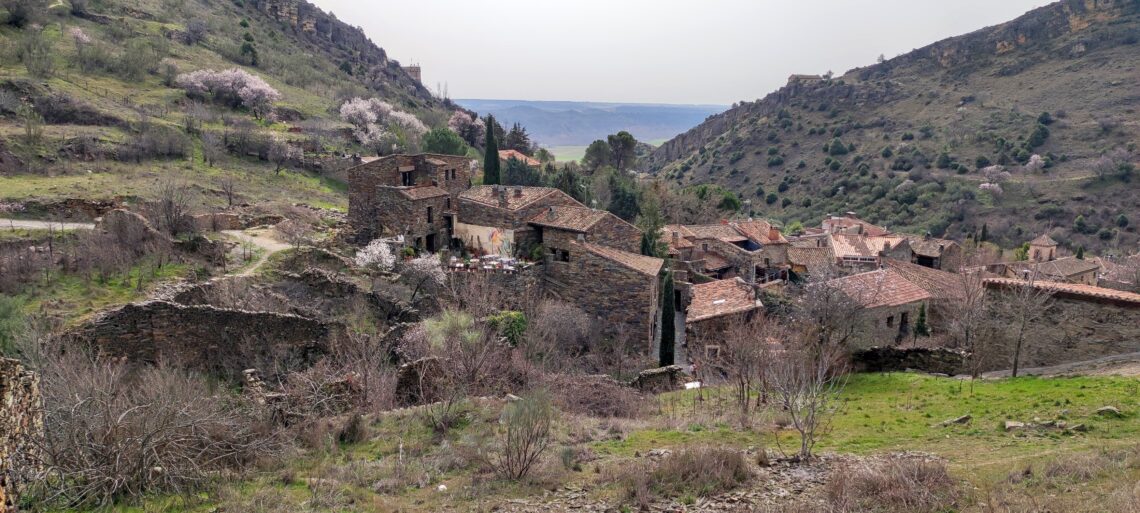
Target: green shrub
509	324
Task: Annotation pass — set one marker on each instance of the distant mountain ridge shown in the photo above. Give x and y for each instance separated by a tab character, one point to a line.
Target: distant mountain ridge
917	130
561	123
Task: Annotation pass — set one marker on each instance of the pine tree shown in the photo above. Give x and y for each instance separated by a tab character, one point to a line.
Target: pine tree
920	327
668	324
491	158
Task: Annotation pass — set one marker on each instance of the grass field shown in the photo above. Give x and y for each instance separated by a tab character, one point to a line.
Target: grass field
880	413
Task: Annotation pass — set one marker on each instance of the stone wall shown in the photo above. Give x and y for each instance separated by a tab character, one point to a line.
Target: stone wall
625	301
895	359
202	337
1077	329
21	424
397	214
875	330
473	212
365	182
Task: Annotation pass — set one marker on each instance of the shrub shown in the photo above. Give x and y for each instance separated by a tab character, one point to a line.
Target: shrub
22	12
525	434
899	485
36	54
696	472
775	161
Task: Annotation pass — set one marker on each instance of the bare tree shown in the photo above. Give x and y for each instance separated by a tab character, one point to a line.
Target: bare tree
229	185
173	207
213	148
1022	306
525	433
807	380
838	315
969	321
741	357
282	153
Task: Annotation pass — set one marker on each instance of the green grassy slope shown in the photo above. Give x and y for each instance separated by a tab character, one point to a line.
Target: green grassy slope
917	129
313	60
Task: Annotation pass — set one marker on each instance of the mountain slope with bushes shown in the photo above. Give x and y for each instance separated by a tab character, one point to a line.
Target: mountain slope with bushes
1026	127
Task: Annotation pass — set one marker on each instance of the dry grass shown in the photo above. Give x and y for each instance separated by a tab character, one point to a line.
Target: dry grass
898	485
691	472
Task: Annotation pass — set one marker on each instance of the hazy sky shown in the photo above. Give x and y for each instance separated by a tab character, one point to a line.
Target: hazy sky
666	51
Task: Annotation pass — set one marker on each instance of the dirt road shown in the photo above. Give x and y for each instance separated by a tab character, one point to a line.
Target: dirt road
28	224
263	239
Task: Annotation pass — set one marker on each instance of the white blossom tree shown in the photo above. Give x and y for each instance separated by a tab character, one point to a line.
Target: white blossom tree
423	271
377	255
235	87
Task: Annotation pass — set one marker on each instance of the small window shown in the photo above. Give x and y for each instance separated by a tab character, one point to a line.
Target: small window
705	246
767	262
890	321
406	179
429	216
447	203
564	256
712	352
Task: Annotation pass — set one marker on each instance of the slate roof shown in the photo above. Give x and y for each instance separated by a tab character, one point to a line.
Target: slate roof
487	195
681	242
422	192
1043	240
575	219
929	247
643	264
884	287
1075	289
818	261
720	298
1066	267
854	245
939	284
722	232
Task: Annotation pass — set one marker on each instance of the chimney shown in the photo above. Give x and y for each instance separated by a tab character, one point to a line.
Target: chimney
859	228
518	192
851	215
926	236
356	158
676	237
502	192
773	233
550	213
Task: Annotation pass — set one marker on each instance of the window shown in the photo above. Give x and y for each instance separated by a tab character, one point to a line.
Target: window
705	246
767	262
429	216
406	179
890	321
564	256
447	203
712	352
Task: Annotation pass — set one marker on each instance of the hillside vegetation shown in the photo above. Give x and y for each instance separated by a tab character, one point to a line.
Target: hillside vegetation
910	141
91	103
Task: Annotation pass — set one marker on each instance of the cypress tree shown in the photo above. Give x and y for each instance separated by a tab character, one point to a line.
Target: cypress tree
985	232
668	324
491	157
1080	252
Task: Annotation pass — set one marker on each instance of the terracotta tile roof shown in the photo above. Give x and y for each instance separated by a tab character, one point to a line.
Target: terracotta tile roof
422	192
884	287
939	284
851	224
678	243
812	241
760	231
1043	240
861	246
720	298
1075	289
517	197
515	154
575	219
818	261
643	264
715	262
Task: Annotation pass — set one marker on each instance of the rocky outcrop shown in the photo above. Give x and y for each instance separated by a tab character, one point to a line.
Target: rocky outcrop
21	425
663	379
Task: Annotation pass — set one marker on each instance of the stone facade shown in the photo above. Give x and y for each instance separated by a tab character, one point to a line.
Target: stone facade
611	231
894	359
21	424
420	218
202	337
507	211
626	299
379	186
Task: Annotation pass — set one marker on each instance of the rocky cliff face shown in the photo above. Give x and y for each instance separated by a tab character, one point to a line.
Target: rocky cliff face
21	424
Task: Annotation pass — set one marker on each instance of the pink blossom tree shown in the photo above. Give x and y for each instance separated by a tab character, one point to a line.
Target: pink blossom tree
234	87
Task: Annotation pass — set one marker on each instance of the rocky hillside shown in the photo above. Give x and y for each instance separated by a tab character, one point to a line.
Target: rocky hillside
910	142
91	105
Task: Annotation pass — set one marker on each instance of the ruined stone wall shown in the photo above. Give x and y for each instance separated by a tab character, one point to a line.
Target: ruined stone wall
623	299
481	214
21	425
875	332
894	359
202	337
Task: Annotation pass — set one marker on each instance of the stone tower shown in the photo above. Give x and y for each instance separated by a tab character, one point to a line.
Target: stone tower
1042	249
415	72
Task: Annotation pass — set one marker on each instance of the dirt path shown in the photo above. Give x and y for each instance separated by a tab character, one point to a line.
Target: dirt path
263	239
1116	365
29	224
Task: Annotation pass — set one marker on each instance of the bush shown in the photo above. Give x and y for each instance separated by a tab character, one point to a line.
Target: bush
696	472
899	485
525	433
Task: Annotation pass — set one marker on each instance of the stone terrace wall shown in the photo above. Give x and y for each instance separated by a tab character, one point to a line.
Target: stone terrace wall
1076	330
894	359
21	423
202	337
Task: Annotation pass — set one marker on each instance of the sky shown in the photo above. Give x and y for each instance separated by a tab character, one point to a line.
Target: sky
652	51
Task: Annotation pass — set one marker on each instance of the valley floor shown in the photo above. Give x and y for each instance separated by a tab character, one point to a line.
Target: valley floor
1090	464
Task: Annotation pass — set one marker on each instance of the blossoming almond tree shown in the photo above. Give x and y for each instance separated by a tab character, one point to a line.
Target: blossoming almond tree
234	87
